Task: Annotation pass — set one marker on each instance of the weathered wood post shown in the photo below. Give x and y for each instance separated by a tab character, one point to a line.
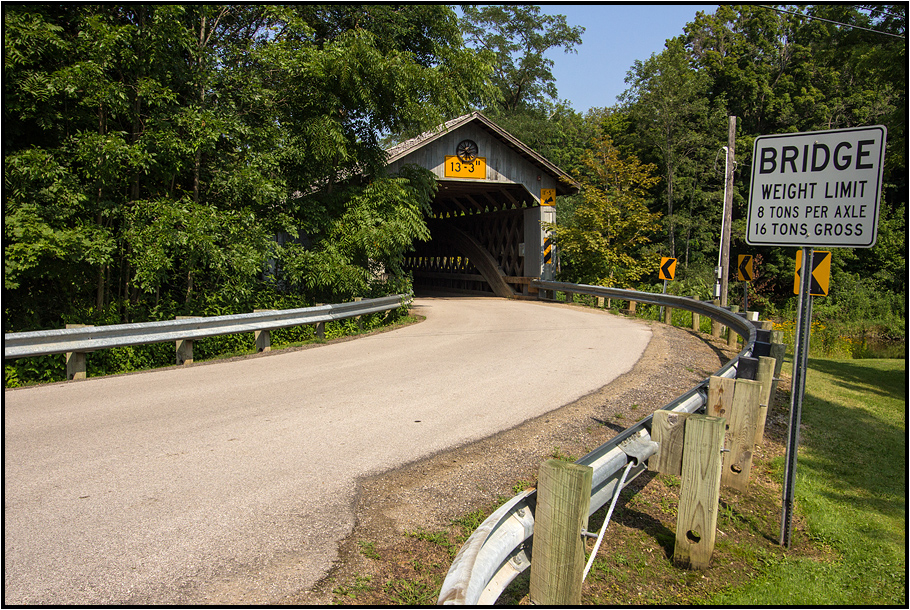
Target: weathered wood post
631	310
668	430
185	346
563	500
778	352
263	337
696	318
75	361
357	319
715	325
732	337
668	316
737	401
766	378
319	327
696	521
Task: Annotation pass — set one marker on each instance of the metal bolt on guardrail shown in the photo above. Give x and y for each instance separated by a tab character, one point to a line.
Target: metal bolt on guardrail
501	547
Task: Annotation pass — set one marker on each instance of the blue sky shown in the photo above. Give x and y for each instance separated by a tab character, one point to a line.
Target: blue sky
615	36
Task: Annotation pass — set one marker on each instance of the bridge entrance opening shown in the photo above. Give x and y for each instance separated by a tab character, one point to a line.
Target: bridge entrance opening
494	196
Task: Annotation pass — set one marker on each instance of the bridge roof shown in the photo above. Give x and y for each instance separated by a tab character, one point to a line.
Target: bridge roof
565	184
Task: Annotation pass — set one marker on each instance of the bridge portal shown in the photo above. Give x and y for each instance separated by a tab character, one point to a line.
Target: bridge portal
494	193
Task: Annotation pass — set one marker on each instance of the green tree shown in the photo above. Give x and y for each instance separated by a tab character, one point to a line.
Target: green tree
673	121
153	152
518	36
602	243
779	69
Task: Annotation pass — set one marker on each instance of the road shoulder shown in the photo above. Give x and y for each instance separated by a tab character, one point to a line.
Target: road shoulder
428	494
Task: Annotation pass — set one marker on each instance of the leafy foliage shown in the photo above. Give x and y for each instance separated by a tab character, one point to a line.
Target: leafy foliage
517	36
602	244
777	71
180	159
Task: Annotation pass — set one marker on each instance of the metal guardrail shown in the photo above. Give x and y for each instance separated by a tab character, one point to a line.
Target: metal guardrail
500	548
93	338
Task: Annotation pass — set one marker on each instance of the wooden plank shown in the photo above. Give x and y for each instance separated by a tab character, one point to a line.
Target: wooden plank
766	378
740	437
720	396
668	430
696	522
557	563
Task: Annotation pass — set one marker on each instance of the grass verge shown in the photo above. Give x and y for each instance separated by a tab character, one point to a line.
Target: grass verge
851	485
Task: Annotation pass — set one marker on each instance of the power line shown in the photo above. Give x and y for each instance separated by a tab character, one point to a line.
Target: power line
871	8
846	25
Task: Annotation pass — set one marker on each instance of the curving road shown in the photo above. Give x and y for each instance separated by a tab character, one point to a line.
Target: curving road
234	482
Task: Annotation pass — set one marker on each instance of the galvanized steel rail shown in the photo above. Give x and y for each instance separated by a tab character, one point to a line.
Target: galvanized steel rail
93	338
500	548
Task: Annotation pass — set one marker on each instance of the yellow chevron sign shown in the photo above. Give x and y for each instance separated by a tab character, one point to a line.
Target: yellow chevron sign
744	268
667	268
821	272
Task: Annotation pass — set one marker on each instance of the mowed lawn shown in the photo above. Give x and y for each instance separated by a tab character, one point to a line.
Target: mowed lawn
851	488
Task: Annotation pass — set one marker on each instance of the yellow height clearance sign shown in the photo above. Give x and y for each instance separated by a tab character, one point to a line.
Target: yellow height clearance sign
548	197
456	168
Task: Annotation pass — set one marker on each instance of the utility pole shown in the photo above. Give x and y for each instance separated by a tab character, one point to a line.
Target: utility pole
728	214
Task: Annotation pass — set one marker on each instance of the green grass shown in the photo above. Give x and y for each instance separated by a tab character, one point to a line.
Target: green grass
851	488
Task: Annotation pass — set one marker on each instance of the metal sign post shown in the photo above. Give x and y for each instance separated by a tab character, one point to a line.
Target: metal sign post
808	190
667	272
800	362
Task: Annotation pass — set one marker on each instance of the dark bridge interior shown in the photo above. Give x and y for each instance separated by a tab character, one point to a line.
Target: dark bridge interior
477	229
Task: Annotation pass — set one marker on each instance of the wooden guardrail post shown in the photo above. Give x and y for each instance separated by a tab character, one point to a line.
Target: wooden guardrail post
696	319
765	376
778	352
631	310
696	522
357	319
185	346
563	500
319	327
668	316
75	361
738	402
668	430
732	337
715	325
263	337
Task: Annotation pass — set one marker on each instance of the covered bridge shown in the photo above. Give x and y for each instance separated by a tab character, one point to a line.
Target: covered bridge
494	192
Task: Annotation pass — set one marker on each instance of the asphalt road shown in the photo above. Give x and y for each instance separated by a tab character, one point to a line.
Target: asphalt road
234	482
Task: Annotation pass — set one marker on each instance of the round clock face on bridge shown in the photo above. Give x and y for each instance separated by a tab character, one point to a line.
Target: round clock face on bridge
466	150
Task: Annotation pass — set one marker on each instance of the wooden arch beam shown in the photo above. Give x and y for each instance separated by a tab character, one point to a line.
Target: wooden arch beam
482	260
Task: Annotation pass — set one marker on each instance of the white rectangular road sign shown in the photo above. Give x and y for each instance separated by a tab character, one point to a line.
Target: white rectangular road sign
817	189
